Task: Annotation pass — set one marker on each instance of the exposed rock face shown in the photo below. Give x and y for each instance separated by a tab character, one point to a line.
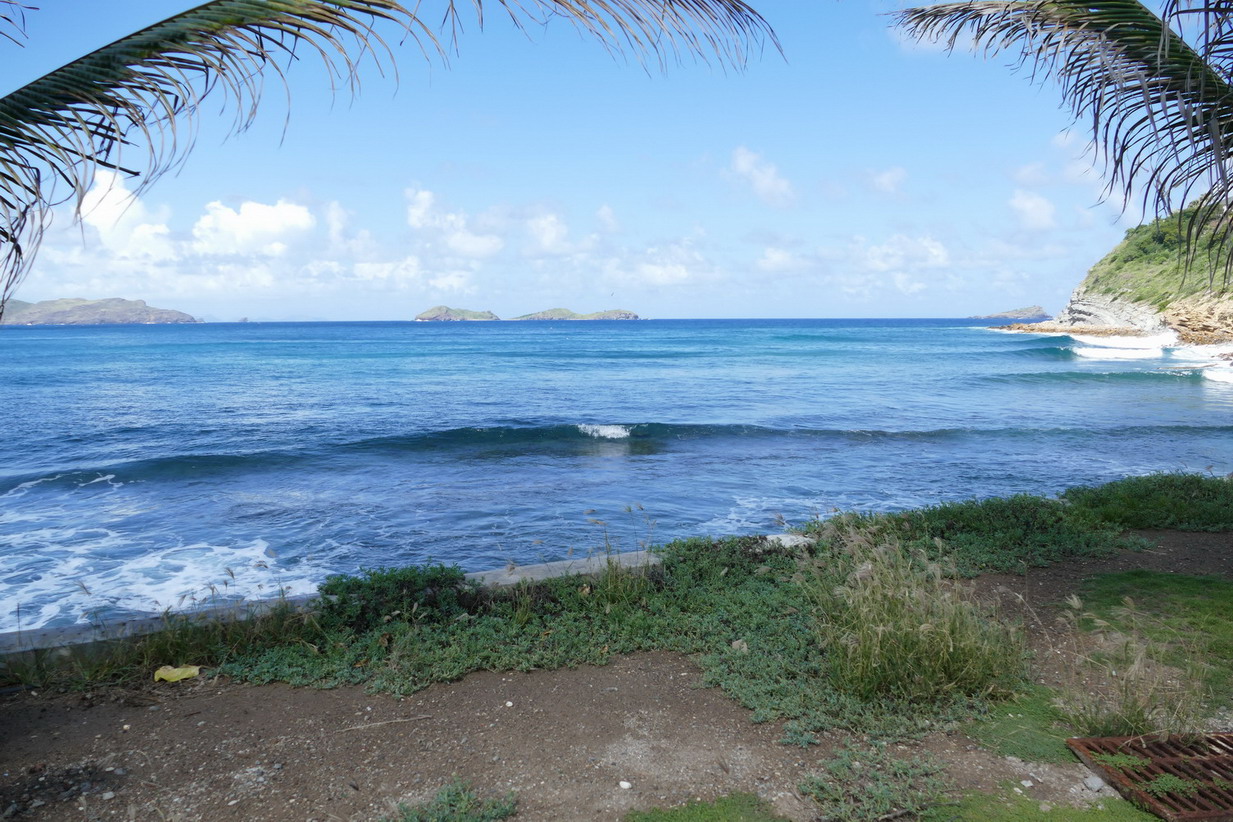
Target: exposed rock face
566	314
1202	320
90	312
1027	314
445	314
1091	309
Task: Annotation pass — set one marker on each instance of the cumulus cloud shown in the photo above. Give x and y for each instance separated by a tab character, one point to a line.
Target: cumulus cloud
549	233
451	227
1035	211
889	181
253	228
123	223
1032	174
776	260
902	252
607	219
761	176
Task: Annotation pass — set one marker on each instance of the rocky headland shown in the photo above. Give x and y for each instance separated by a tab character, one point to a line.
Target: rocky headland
1142	287
112	311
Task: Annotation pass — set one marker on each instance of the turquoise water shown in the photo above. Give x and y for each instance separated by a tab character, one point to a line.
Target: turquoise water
147	467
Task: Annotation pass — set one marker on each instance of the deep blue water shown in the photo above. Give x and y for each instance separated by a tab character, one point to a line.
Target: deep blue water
143	465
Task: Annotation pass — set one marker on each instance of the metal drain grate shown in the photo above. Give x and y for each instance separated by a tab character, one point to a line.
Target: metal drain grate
1176	778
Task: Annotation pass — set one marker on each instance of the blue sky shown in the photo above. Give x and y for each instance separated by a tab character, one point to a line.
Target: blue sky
855	176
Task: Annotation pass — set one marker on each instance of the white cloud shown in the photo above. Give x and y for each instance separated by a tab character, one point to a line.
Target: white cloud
1035	212
124	225
775	260
255	228
451	227
549	232
607	219
889	181
1032	174
902	252
763	177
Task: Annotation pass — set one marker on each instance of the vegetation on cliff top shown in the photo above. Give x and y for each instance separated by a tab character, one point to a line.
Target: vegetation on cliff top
1148	265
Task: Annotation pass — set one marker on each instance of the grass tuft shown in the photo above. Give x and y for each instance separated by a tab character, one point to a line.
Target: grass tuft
894	624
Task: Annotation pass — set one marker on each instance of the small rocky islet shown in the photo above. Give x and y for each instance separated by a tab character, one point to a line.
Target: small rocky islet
443	313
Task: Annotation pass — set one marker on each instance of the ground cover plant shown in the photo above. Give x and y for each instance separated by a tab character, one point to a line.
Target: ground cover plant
457	802
869	783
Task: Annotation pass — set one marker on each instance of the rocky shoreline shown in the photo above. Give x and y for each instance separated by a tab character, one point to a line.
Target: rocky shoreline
1197	320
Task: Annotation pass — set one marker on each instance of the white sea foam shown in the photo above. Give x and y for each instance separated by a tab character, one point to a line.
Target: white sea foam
84	581
606	432
1157	341
1219	373
20	490
1093	353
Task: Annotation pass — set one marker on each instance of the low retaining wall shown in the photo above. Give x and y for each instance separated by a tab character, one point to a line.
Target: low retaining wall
80	636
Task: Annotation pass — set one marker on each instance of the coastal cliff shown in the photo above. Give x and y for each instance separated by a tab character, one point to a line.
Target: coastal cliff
1142	287
113	311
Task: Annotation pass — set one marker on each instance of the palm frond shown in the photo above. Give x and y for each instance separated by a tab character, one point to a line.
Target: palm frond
130	106
13	20
1160	109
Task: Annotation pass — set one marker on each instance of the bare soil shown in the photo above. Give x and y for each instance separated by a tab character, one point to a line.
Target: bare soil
568	741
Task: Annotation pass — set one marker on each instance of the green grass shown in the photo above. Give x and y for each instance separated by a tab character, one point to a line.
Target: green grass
1188	502
737	807
456	802
1029	727
1007	806
1196	609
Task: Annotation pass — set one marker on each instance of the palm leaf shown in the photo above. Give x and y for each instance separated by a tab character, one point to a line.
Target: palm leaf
13	20
131	105
1160	109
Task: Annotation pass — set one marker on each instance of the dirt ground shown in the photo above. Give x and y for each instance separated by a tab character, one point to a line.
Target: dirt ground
589	743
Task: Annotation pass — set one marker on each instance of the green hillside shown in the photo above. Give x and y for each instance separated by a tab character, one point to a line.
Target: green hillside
1147	266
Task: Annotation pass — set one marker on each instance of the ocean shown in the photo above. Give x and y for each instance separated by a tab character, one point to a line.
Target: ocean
154	467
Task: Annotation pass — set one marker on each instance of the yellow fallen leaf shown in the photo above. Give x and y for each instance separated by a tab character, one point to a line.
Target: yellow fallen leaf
168	673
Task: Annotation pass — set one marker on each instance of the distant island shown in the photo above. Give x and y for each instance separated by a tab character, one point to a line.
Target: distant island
1031	313
445	314
566	314
112	311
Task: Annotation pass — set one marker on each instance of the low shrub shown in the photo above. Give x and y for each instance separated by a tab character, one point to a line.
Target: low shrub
430	593
1188	502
